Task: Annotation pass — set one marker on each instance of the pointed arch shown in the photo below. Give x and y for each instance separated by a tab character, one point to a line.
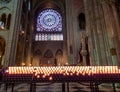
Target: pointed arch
4	8
59	52
3	21
36	60
48	54
82	21
48	4
58	56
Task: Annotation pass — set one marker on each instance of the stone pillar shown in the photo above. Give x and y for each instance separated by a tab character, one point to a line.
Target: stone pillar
83	51
110	42
91	32
11	44
25	40
101	32
29	54
116	31
99	26
64	58
6	21
70	31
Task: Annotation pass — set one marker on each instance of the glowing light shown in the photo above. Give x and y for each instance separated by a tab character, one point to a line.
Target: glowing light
49	20
50	78
23	64
63	72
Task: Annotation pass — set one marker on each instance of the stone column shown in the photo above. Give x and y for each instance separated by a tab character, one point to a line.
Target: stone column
116	31
11	44
92	33
109	32
24	40
101	32
83	51
64	58
70	33
6	22
29	53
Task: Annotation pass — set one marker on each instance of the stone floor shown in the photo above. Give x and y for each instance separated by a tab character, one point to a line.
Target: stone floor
57	87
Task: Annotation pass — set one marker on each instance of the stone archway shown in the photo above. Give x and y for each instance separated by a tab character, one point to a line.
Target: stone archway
48	58
36	61
59	56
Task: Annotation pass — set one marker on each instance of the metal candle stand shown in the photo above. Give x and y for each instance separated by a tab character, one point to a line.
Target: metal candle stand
94	75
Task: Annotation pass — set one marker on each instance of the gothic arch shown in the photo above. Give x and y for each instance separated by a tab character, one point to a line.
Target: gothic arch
48	54
36	60
50	38
58	56
3	21
82	21
48	4
59	52
5	9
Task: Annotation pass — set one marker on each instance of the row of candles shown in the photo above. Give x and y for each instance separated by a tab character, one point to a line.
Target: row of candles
65	70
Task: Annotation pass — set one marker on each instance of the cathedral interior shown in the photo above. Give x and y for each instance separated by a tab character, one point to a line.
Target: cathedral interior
59	41
59	32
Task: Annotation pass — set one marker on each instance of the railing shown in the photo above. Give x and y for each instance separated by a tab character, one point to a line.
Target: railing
94	75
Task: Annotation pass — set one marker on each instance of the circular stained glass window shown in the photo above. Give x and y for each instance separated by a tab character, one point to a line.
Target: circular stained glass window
49	20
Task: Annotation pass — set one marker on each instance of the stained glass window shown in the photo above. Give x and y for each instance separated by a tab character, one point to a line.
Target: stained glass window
36	37
49	26
49	20
49	37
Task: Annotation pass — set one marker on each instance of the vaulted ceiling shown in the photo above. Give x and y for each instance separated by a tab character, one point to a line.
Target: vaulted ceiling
47	3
